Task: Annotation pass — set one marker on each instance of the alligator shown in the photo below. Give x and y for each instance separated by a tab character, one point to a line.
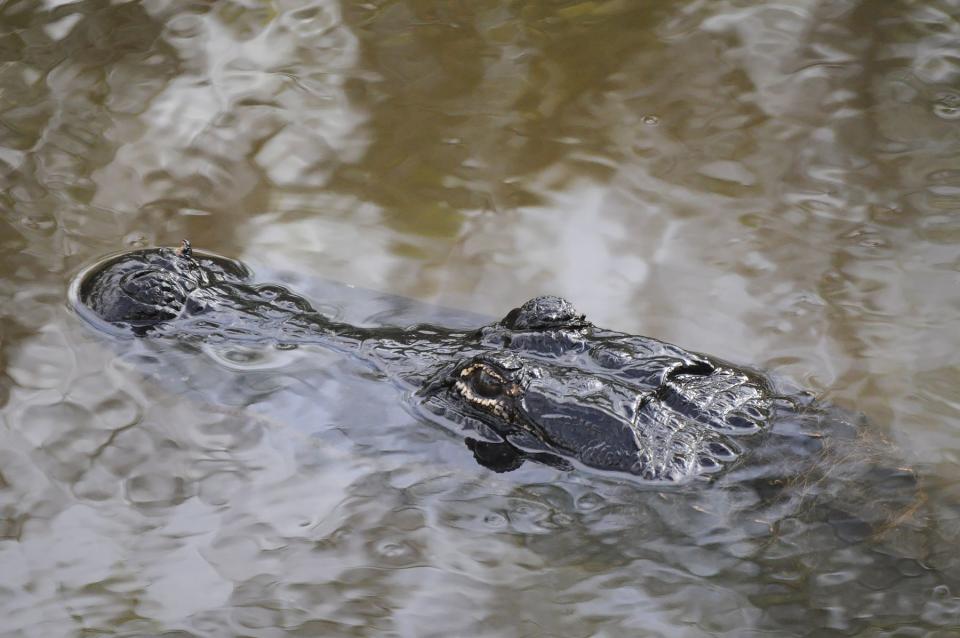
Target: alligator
542	383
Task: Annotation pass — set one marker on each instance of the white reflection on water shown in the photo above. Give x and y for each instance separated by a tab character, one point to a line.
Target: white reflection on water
243	110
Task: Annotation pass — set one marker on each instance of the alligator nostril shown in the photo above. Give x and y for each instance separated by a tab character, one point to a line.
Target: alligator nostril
152	287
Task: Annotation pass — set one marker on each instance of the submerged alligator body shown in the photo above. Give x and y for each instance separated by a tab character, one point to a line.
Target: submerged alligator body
542	383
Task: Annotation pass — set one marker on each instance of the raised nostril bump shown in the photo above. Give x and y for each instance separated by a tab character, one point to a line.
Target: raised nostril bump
152	287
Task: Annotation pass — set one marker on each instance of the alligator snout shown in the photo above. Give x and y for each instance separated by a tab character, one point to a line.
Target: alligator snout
149	287
151	296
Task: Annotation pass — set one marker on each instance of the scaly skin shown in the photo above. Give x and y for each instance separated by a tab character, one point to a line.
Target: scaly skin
542	383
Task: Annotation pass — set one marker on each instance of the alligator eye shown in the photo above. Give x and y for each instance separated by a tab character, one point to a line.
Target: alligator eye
487	384
490	387
482	381
484	387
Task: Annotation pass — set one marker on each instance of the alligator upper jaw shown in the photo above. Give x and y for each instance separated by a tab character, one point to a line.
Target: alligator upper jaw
569	441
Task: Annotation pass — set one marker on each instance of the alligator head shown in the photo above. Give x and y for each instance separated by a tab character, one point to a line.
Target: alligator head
542	383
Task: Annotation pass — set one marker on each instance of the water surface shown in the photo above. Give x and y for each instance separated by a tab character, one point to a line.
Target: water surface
773	183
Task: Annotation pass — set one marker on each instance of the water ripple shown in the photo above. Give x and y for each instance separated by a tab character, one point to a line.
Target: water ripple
771	182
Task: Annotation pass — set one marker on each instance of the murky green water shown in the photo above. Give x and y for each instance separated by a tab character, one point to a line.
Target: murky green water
773	183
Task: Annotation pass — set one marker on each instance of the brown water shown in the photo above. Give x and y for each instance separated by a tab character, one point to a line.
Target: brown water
773	183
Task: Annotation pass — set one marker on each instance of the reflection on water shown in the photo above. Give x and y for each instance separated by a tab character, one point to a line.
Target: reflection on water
775	183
